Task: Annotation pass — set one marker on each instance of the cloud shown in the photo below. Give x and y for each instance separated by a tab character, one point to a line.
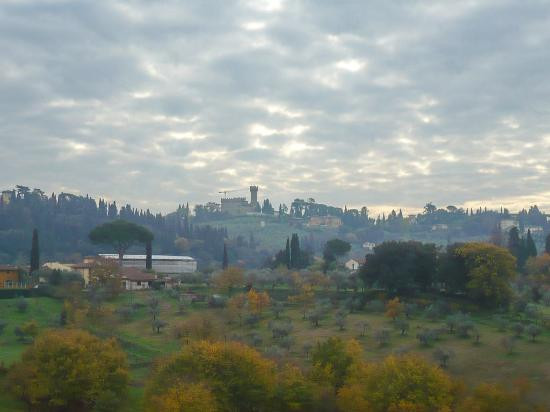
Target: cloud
356	103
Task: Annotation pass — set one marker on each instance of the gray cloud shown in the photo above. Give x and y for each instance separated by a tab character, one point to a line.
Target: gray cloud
359	103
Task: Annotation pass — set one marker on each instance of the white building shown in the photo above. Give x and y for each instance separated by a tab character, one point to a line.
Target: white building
369	247
161	263
352	265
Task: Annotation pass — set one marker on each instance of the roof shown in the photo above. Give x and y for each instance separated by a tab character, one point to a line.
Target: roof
82	265
143	257
136	275
9	267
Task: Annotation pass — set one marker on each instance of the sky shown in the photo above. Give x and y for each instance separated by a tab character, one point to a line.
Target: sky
388	104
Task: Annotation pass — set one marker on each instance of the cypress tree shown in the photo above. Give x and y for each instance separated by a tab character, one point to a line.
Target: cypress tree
287	253
530	245
35	252
149	255
295	252
514	242
225	262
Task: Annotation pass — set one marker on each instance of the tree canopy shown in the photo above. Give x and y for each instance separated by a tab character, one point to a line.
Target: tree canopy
71	370
121	235
489	270
396	384
244	383
401	266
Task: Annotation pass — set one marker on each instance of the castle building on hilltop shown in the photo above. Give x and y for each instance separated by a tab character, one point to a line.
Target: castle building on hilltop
239	205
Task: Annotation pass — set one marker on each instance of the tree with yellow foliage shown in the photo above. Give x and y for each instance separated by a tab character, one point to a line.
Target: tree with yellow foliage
405	383
394	308
489	271
257	301
295	280
229	279
188	397
236	306
305	298
70	370
294	391
489	397
333	360
239	378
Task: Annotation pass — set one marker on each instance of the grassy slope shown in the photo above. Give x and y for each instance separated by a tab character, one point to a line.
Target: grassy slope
272	235
45	312
472	363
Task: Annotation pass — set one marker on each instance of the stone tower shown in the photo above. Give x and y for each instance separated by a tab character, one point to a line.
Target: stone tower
254	196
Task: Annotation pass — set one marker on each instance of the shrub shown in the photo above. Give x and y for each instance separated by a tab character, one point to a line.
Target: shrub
410	309
464	327
533	331
443	356
364	326
158	324
402	325
476	333
425	337
382	336
22	304
252	320
508	343
286	342
281	329
517	328
340	319
501	323
3	325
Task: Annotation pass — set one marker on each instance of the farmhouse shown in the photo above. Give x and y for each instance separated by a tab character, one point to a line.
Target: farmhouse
136	279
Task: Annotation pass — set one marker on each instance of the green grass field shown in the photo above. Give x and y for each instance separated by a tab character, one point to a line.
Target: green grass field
472	363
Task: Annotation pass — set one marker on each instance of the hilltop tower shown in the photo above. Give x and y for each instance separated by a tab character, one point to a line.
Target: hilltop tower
253	196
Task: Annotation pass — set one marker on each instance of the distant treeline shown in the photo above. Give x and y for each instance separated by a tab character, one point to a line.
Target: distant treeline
65	220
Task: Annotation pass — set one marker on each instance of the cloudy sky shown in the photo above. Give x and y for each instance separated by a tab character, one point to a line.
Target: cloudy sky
373	103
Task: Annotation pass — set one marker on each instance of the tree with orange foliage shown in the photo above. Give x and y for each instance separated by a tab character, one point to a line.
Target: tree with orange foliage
396	384
70	370
394	308
229	279
239	378
305	298
257	301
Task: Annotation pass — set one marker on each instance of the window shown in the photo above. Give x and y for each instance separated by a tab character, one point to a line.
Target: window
139	283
